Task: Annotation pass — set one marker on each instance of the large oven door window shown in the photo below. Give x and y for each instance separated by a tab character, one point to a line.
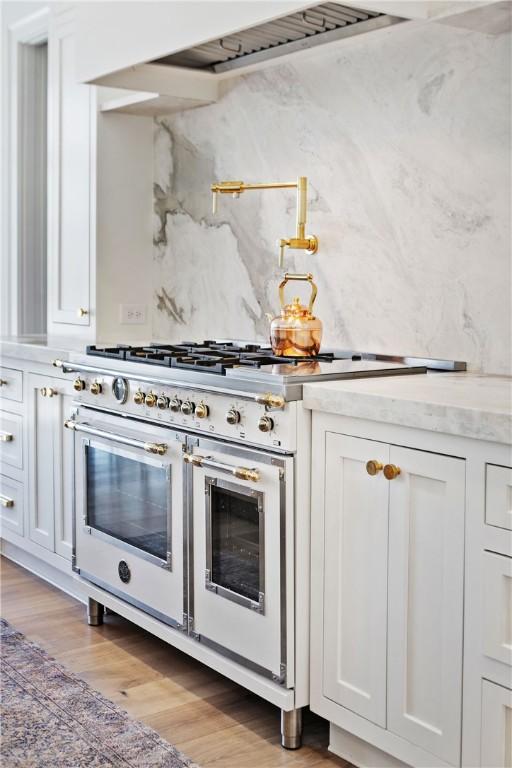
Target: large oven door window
235	552
128	499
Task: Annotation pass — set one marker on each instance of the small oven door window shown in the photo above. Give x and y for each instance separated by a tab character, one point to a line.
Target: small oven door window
235	543
129	500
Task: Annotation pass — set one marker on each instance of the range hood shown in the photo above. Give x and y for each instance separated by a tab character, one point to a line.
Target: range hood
299	31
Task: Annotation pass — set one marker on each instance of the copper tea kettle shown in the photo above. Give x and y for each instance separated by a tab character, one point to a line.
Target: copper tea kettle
296	332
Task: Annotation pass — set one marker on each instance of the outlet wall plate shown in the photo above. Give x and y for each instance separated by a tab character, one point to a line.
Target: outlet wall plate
132	314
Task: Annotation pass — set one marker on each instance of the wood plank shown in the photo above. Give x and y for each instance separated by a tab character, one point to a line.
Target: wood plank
214	721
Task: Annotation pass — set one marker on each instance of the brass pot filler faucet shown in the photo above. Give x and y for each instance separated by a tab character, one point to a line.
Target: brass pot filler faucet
300	241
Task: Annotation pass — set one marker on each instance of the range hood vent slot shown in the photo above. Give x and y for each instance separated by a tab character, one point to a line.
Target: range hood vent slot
296	32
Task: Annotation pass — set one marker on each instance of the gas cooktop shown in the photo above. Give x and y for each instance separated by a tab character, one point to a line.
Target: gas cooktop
211	356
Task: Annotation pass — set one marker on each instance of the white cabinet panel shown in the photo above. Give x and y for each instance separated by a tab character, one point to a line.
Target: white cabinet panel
497	607
425	619
496	744
69	161
41	413
11	384
63	473
498	496
355	585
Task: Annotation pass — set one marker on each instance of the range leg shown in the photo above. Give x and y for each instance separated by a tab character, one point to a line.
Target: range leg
94	612
291	728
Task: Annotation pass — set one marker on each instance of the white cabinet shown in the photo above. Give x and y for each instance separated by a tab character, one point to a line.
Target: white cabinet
387	594
425	616
69	177
496	740
50	458
356	562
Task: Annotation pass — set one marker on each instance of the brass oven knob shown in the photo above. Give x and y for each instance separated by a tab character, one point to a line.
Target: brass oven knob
79	384
139	397
391	471
151	399
233	416
373	467
202	411
187	407
162	402
175	404
96	388
265	424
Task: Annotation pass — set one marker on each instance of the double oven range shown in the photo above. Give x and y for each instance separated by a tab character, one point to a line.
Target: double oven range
192	467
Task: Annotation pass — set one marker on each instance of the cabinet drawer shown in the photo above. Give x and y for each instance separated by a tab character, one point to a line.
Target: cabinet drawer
498	496
497	607
496	743
11	384
11	439
11	504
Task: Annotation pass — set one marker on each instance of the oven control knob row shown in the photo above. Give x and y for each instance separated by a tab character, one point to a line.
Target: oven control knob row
139	397
266	424
79	384
96	388
150	399
175	404
162	402
201	411
188	407
233	416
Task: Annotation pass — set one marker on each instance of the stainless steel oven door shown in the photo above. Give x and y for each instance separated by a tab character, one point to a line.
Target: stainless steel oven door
129	519
241	550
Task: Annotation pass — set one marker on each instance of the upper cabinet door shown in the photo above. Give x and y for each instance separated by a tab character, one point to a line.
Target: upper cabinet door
355	585
69	180
425	617
114	36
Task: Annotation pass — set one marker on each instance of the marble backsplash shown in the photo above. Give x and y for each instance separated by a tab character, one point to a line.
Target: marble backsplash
405	138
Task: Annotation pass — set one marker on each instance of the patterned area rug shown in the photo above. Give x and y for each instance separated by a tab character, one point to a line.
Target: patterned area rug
52	719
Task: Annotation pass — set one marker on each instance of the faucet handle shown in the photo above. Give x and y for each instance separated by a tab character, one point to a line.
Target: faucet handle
283	243
214	201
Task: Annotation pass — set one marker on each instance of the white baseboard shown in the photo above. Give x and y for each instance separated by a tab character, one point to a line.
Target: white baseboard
57	578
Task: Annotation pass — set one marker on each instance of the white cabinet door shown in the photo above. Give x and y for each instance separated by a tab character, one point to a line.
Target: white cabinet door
69	176
41	416
496	744
63	470
355	586
425	616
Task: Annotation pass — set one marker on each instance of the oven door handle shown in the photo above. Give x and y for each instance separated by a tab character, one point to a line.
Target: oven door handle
243	473
159	448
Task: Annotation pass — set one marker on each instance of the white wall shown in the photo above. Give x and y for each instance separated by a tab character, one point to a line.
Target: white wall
405	137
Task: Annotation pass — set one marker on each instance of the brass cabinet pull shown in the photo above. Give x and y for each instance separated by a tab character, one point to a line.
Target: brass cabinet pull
5	501
391	471
243	473
6	437
373	467
48	391
3	382
81	312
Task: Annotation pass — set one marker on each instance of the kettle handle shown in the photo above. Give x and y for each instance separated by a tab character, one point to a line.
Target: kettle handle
308	278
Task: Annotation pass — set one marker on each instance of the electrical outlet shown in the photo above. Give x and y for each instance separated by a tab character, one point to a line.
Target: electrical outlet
132	314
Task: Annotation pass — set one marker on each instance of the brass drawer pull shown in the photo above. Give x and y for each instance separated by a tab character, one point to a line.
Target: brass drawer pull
243	473
5	501
81	312
391	471
6	437
3	382
373	467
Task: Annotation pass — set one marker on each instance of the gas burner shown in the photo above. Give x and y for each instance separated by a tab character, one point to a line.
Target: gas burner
208	356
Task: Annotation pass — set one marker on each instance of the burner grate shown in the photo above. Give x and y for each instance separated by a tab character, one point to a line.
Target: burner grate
209	356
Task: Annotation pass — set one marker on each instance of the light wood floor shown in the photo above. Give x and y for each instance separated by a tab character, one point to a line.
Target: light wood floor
212	720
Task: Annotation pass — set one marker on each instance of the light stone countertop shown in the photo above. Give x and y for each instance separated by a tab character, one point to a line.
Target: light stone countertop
38	349
466	404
